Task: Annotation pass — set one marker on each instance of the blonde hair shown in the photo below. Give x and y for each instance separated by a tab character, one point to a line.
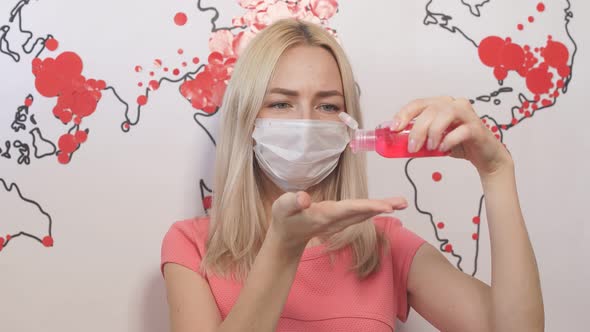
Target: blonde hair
238	218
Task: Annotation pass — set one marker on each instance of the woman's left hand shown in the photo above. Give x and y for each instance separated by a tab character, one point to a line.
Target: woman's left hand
468	137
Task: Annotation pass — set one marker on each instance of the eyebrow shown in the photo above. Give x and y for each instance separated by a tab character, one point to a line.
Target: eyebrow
293	93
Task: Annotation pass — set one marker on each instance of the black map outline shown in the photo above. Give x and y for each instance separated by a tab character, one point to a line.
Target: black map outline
440	19
22	113
14	186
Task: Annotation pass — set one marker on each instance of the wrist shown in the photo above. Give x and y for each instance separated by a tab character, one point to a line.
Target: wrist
504	171
501	166
284	247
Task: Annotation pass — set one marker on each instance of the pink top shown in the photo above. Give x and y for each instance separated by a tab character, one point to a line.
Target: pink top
324	296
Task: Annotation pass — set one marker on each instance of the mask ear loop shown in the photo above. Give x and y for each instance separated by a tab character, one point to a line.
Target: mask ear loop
348	120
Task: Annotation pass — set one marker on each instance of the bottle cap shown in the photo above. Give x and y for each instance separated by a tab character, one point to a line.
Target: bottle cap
348	120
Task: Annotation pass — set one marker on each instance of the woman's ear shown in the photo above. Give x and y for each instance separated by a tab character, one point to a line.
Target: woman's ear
358	88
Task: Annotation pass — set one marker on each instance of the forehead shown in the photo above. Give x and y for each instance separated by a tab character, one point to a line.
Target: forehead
307	68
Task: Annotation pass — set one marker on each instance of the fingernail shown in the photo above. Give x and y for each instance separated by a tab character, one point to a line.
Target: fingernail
298	199
395	125
430	144
412	145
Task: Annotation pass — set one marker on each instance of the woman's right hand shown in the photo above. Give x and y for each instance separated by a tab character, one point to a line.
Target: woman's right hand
296	220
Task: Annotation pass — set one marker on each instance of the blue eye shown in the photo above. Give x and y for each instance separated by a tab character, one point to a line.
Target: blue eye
279	105
329	108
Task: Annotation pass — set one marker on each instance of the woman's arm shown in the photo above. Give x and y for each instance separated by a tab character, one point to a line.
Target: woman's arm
517	302
452	300
259	305
295	220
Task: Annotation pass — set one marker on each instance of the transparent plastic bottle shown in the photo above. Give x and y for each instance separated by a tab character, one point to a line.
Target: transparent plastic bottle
386	142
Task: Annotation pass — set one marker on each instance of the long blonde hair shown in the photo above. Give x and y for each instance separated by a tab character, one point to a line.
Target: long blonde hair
238	218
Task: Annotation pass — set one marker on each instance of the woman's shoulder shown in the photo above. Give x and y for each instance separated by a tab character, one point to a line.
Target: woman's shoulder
386	224
184	243
194	227
401	239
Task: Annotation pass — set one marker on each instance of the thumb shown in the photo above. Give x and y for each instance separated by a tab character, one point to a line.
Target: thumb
289	204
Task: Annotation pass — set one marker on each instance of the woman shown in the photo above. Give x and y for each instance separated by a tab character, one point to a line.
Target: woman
293	242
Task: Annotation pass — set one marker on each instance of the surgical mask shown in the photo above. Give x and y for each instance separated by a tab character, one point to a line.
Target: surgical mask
298	153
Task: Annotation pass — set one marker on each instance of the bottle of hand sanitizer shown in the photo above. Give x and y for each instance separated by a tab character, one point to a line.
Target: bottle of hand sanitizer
385	141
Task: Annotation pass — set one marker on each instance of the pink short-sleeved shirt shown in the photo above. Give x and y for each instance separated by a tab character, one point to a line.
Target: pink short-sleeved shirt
325	296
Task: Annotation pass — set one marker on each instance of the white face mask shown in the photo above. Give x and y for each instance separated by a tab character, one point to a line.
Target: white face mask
297	154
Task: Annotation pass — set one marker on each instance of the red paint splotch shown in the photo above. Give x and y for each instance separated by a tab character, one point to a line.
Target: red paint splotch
531	18
142	100
207	201
47	241
476	220
180	19
77	96
436	176
51	44
545	69
539	80
206	91
154	85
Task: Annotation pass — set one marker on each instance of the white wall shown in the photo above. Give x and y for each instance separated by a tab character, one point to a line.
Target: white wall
111	205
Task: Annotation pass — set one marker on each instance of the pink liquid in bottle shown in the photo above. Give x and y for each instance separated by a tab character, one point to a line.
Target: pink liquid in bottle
389	143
